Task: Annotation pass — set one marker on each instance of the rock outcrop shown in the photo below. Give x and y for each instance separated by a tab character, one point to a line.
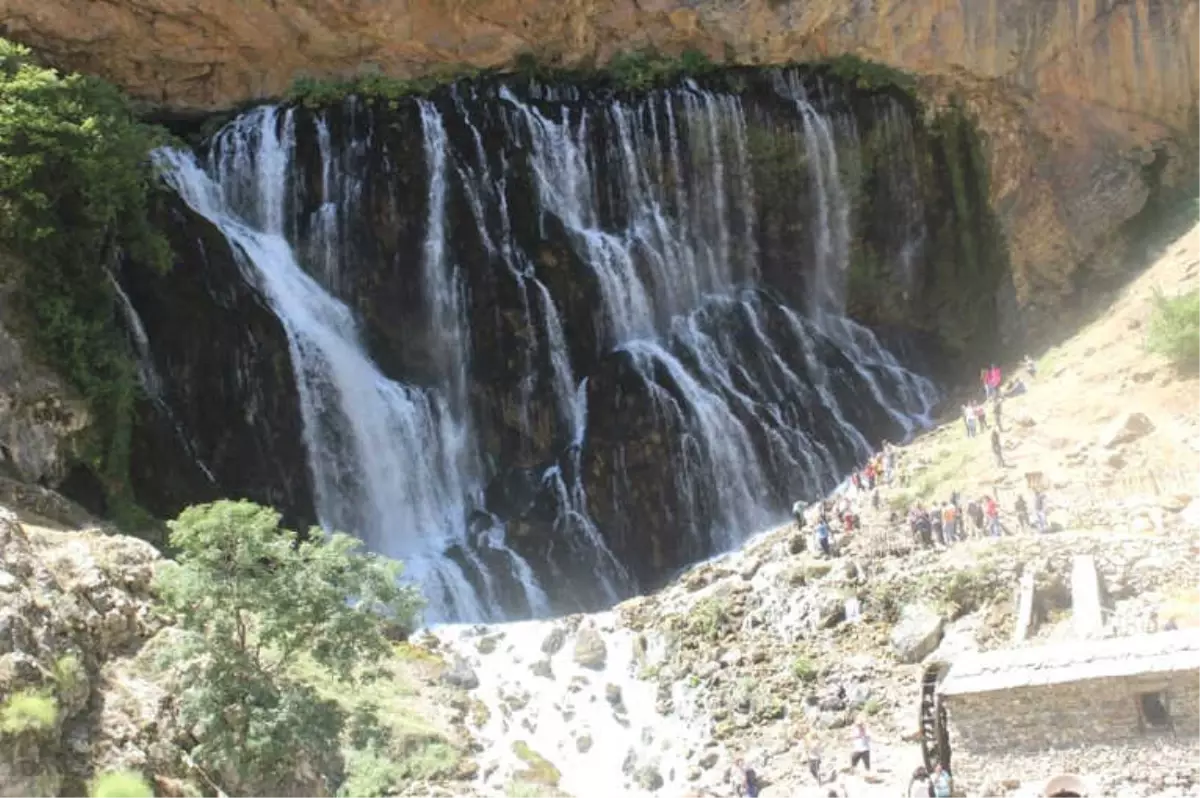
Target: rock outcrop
1074	97
41	418
73	607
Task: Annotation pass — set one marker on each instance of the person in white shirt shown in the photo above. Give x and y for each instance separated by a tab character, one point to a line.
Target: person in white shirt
860	747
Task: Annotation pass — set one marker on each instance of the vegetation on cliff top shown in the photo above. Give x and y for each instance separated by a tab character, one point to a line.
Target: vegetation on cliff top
74	186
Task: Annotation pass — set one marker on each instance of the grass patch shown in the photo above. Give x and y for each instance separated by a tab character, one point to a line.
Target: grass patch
120	784
804	669
538	769
28	711
1174	330
709	619
389	739
873	706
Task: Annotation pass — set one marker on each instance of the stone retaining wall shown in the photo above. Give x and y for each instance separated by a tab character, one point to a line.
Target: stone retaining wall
1072	713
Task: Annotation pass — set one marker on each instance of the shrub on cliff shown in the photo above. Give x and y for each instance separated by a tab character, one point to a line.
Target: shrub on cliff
120	784
1174	330
74	186
253	602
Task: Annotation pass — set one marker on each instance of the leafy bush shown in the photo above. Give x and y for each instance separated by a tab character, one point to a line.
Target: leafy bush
75	181
646	69
869	74
28	710
1174	330
709	619
804	669
120	784
252	600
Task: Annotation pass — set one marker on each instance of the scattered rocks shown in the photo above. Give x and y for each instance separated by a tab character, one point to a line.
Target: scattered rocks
1126	429
917	634
590	649
612	694
583	743
554	641
542	668
648	778
487	645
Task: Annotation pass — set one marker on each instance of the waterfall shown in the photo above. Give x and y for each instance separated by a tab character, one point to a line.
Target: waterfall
383	455
615	238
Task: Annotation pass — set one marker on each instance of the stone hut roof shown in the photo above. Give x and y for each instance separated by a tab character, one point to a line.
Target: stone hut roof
1074	661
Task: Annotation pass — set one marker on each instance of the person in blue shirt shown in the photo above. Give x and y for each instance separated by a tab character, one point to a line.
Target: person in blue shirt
823	536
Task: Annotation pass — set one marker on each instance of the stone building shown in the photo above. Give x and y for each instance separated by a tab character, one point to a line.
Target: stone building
1084	692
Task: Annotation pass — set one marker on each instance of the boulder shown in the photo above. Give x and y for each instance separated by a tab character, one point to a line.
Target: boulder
590	649
554	641
583	743
1126	429
648	778
917	634
542	668
460	674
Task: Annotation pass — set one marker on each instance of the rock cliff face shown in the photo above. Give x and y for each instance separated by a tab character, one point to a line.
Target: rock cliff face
1073	96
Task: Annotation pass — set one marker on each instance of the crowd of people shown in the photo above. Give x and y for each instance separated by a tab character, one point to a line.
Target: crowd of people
938	523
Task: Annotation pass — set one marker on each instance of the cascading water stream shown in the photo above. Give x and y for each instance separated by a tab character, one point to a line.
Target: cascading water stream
386	458
751	403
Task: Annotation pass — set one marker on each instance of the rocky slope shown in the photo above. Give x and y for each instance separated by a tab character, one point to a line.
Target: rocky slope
1086	107
737	657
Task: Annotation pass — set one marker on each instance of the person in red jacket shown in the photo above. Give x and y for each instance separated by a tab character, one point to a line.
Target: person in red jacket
992	512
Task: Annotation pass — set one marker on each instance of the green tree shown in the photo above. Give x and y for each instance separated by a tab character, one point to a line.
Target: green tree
120	784
251	599
75	182
1174	330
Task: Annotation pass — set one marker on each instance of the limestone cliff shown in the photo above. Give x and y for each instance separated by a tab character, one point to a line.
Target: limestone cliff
1073	96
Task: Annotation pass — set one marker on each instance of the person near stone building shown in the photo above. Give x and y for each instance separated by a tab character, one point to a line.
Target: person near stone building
918	784
860	746
943	786
997	449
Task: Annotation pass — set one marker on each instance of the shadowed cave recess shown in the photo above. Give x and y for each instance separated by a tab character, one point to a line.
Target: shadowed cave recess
548	344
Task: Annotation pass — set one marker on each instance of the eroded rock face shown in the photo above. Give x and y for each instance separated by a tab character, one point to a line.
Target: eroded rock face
71	605
41	419
1073	97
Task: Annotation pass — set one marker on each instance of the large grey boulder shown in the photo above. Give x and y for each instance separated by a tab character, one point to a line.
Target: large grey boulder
918	633
1126	429
590	649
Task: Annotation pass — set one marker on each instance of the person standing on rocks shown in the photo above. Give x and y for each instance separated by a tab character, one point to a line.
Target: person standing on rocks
747	784
812	750
997	404
798	514
949	523
860	746
823	535
968	412
997	450
980	418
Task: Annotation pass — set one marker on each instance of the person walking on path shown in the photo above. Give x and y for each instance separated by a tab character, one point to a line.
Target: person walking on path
969	419
1039	510
1022	513
992	511
949	523
860	746
975	511
996	448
